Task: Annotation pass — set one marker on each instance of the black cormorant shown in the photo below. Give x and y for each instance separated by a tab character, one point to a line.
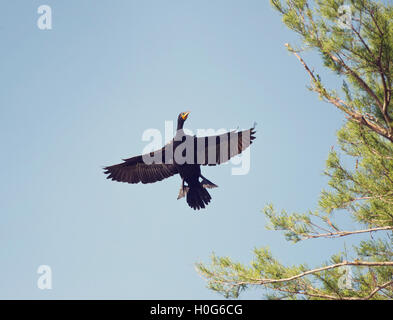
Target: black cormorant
184	155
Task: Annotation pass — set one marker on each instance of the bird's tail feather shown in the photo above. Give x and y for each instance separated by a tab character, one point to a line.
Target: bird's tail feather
198	197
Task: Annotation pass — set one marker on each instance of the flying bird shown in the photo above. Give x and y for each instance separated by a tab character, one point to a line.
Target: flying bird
184	155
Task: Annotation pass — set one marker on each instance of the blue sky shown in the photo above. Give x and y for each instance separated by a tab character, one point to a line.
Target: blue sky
79	96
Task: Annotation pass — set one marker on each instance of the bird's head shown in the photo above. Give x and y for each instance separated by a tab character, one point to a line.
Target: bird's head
182	118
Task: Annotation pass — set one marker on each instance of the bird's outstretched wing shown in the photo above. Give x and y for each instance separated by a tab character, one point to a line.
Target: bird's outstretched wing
142	169
214	150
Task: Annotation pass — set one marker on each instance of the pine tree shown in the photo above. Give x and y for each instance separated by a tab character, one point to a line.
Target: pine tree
356	42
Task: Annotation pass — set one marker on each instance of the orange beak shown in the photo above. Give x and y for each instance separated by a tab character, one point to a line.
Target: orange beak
185	115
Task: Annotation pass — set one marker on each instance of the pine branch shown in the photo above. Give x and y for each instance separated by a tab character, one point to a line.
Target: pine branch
333	266
378	288
345	233
232	283
340	104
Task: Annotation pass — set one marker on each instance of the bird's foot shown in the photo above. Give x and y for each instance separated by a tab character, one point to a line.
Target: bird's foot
183	191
